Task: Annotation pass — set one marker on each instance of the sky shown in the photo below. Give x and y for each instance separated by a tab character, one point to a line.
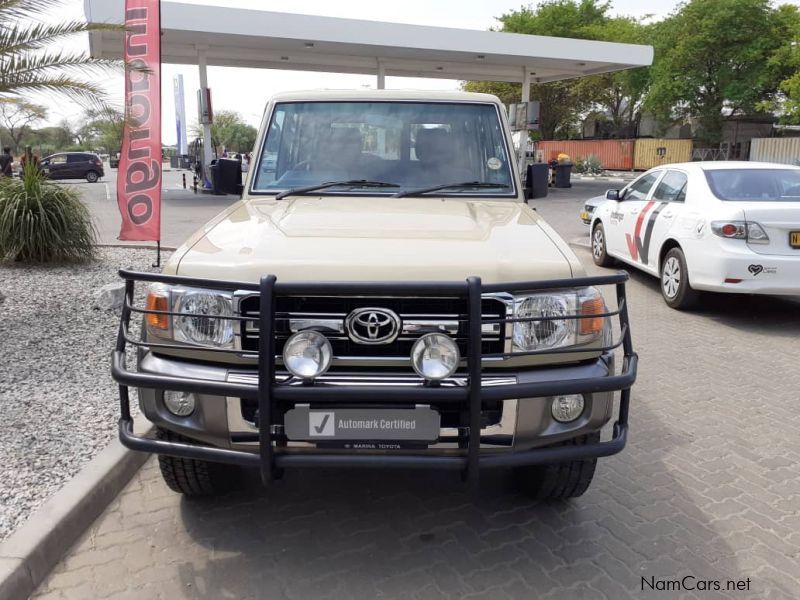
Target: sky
227	84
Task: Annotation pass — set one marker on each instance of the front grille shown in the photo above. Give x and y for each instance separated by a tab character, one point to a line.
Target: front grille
448	315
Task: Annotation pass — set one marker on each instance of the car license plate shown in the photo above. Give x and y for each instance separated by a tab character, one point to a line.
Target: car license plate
419	424
794	239
585	215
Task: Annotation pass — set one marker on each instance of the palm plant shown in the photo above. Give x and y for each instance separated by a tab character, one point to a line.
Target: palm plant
41	221
31	61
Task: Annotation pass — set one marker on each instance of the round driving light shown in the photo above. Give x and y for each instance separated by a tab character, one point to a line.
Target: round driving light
434	356
180	404
307	354
567	408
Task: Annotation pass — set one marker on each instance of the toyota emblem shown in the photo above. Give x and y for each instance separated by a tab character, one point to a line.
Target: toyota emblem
372	326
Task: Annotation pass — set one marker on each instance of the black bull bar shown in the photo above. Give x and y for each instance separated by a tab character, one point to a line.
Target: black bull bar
268	392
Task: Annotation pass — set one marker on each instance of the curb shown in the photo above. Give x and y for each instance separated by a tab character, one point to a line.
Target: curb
31	552
614	178
137	247
581	242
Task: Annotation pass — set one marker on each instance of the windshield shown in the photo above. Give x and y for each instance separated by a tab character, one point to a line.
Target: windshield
410	144
768	185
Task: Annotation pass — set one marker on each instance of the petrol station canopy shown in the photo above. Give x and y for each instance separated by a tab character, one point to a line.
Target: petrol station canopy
235	37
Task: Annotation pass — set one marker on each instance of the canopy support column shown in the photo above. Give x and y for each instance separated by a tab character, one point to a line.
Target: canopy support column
523	138
208	155
381	75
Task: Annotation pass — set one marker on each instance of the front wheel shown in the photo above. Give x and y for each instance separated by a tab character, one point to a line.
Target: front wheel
192	477
599	250
559	481
92	176
675	286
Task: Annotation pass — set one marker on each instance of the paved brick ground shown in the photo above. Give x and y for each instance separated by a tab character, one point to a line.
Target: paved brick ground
709	486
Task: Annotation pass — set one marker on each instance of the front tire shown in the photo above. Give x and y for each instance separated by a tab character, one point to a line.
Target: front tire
675	286
92	176
559	481
192	477
599	250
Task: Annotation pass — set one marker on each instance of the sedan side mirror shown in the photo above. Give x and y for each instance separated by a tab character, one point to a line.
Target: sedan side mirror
613	195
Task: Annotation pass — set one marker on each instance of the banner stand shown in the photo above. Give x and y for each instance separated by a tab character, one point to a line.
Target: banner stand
157	264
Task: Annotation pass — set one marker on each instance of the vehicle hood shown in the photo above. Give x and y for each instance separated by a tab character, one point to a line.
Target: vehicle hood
338	238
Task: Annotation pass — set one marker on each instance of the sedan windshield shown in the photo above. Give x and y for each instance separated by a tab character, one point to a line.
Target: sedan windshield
408	145
767	185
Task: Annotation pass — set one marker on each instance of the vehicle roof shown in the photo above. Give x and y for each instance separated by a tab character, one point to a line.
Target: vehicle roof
74	152
724	165
382	95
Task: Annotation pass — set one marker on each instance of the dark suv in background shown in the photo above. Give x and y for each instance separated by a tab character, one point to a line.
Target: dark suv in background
73	165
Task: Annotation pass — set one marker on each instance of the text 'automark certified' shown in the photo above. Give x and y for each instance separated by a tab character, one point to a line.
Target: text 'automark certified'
414	424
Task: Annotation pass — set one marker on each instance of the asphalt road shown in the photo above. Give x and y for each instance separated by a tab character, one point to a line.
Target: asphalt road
706	494
182	211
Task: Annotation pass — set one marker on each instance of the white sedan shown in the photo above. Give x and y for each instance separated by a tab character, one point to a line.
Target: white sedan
717	226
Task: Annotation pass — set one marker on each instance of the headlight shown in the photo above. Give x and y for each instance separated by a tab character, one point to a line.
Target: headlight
203	321
307	354
200	326
434	356
557	329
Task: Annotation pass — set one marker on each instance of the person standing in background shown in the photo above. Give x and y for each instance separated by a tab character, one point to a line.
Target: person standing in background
5	163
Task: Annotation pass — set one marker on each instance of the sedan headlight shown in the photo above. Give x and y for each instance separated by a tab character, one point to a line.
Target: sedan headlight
201	320
556	328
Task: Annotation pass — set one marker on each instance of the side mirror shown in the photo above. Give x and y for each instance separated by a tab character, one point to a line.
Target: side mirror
613	195
226	176
528	183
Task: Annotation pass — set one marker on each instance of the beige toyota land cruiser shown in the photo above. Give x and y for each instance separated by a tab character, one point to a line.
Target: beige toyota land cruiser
381	296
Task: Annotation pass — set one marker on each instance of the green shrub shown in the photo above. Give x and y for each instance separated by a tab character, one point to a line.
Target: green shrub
41	221
592	166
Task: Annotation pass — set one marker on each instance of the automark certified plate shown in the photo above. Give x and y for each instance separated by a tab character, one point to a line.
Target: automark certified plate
376	424
794	239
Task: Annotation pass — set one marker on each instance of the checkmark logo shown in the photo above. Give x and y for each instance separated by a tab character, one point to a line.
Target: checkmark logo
321	424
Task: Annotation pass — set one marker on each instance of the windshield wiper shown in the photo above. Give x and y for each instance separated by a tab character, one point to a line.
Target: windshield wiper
329	184
444	186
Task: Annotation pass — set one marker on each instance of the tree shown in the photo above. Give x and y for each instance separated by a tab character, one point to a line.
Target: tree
38	219
32	61
63	135
619	95
102	129
786	64
230	131
714	59
561	102
17	116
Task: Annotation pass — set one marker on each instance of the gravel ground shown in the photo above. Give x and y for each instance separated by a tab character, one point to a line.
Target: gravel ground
58	403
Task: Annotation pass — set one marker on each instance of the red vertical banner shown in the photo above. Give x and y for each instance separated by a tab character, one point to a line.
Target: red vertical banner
139	174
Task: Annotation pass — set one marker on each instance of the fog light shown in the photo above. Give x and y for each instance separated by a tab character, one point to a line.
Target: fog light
434	356
180	404
307	354
567	408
